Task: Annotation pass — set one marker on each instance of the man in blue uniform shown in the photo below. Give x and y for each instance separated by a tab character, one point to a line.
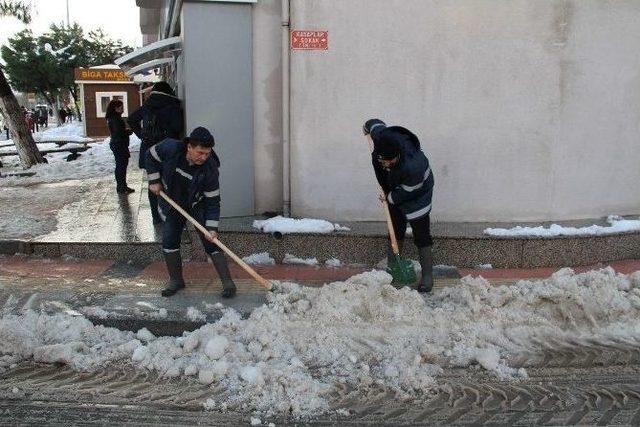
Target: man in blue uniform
187	171
404	175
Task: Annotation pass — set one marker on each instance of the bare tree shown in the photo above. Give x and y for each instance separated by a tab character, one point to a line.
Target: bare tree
22	138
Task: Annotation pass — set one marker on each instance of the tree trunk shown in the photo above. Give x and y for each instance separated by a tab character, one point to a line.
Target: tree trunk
22	138
74	97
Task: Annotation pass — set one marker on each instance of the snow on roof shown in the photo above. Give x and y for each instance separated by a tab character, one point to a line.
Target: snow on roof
105	67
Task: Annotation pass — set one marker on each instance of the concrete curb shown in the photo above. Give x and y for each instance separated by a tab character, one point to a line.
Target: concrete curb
500	252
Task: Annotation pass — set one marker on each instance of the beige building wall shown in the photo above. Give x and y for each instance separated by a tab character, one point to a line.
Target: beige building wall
529	110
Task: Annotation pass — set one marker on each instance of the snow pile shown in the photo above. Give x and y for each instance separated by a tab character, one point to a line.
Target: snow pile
333	263
60	338
292	352
618	225
196	315
484	267
96	162
294	260
262	258
284	225
71	132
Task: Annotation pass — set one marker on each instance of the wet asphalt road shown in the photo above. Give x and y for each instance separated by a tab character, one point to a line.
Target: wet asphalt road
597	385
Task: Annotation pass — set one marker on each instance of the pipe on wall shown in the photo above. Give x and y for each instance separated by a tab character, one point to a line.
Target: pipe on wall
177	9
286	113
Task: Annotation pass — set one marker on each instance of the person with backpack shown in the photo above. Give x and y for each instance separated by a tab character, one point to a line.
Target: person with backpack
159	117
187	171
119	144
63	115
404	174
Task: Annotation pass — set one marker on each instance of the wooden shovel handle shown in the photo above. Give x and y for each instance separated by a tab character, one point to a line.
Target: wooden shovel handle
387	214
261	280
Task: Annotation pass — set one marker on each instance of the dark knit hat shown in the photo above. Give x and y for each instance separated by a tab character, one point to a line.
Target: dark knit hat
200	136
163	87
386	147
372	125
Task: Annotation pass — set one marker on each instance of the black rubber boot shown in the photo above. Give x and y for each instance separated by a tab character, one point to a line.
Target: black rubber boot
426	262
174	266
220	263
153	204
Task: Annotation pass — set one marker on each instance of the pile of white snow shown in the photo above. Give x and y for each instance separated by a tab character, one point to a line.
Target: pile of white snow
284	225
292	352
96	162
71	132
262	258
618	225
294	260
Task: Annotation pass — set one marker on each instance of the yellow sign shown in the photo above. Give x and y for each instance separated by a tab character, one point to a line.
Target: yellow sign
101	74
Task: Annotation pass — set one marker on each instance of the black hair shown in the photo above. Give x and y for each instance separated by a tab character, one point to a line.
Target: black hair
197	142
111	108
163	87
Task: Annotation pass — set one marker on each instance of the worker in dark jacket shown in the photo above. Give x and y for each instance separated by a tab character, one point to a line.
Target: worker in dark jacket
404	175
119	144
188	172
159	117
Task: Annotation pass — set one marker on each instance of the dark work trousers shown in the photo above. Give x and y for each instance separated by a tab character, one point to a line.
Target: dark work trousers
421	227
153	199
121	171
172	234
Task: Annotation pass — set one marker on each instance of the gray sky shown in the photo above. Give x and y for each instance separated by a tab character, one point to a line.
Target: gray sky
118	18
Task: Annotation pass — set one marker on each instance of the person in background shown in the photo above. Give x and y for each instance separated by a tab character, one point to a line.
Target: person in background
63	115
35	116
29	120
159	117
119	144
44	117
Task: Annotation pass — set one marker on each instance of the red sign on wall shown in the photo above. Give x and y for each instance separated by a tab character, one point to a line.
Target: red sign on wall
310	40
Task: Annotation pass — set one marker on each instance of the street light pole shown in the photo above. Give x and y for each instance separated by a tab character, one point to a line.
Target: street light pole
68	14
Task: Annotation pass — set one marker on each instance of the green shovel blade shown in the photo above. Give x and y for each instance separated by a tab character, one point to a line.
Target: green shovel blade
402	271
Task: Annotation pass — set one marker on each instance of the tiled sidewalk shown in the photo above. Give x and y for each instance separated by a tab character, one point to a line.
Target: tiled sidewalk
127	296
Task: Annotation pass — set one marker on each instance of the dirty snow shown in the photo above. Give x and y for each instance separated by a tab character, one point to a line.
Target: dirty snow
361	333
484	266
292	259
262	258
618	225
195	315
95	162
333	262
284	225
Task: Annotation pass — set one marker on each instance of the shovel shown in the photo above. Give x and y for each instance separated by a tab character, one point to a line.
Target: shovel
261	280
400	269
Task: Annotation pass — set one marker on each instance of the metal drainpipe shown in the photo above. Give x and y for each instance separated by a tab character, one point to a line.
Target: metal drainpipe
286	119
167	20
177	10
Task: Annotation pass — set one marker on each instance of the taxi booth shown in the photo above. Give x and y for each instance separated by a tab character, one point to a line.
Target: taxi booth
98	86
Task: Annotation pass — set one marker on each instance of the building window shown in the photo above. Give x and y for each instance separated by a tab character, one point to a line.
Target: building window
103	99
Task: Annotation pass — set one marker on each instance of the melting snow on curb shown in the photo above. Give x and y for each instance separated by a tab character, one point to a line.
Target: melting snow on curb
283	225
618	225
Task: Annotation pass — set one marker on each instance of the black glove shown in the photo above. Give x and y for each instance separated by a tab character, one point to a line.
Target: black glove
371	124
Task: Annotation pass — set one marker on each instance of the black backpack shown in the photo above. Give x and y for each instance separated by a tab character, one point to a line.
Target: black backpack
153	132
